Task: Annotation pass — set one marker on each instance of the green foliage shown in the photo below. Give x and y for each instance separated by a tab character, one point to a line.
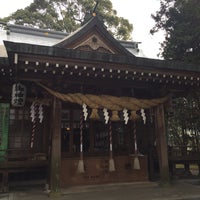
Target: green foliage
184	125
68	15
180	19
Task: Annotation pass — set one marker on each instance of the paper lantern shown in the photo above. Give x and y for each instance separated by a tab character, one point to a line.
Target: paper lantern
18	95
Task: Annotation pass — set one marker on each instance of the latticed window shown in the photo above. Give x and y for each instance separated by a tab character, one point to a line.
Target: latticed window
101	137
20	128
20	133
95	134
70	131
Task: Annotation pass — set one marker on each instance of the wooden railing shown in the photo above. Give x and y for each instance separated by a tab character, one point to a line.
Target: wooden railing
183	150
20	161
21	155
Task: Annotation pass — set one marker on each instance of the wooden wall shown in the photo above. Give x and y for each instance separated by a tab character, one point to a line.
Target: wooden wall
96	171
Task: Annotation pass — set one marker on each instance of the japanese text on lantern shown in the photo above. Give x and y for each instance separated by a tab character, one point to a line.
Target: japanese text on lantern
18	95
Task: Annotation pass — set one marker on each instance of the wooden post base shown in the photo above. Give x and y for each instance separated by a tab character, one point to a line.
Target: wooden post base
55	194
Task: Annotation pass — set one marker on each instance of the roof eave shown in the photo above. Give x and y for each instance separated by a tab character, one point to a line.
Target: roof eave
22	48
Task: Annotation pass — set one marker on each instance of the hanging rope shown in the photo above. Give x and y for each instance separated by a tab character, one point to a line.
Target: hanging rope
110	137
81	168
135	138
106	101
111	160
136	162
81	136
34	122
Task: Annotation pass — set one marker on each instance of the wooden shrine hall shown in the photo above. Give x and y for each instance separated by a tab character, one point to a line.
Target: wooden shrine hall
86	110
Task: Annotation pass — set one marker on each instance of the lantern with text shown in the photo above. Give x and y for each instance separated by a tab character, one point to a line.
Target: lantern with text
18	95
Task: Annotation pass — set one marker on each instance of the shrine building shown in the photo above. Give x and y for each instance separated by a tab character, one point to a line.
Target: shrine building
84	108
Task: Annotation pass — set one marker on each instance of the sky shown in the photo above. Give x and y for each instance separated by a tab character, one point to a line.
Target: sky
138	12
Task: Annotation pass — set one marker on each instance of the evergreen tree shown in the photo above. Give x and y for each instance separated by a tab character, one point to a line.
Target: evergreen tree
180	19
68	15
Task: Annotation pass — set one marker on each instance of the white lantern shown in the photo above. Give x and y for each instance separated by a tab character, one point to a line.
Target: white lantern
18	95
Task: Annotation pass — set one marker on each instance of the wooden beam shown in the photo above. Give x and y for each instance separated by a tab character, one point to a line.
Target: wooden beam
162	145
56	148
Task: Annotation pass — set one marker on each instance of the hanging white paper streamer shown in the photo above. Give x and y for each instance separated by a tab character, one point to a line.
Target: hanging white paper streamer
143	115
85	111
106	115
32	112
125	114
40	113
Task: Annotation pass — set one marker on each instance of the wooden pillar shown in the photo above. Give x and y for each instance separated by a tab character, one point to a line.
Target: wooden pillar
45	133
56	148
162	144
